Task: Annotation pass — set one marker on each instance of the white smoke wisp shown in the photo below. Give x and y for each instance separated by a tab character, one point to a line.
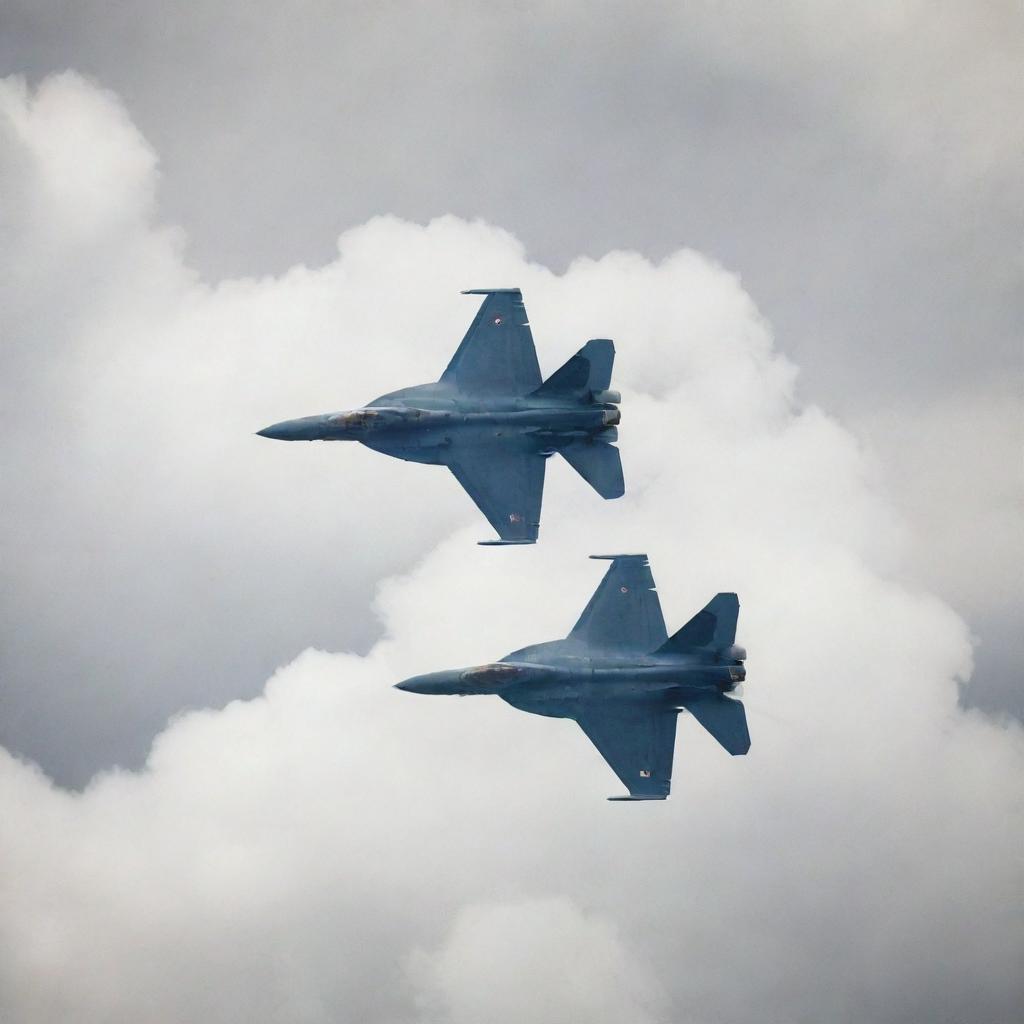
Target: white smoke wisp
335	849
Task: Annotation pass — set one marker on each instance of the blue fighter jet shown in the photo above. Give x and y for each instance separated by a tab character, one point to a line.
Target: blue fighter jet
492	421
623	679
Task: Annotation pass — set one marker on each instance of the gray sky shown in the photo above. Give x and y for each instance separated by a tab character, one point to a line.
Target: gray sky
858	168
826	419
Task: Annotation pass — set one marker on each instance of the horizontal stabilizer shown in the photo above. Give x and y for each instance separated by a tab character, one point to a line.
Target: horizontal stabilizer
725	719
714	626
588	371
634	799
599	464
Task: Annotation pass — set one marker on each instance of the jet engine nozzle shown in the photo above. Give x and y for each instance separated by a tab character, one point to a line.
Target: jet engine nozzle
607	397
735	674
611	417
734	653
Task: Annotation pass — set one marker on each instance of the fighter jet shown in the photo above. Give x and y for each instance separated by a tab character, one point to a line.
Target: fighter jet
623	679
492	421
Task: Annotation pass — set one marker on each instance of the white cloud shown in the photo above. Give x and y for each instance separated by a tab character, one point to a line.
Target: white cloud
334	848
91	169
541	961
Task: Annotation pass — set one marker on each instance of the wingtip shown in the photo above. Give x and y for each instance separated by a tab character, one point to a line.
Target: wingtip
638	798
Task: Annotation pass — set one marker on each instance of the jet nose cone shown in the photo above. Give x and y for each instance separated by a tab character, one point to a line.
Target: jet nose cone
274	431
415	685
433	683
308	428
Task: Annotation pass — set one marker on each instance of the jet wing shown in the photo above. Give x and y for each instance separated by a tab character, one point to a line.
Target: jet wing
497	356
637	739
507	485
624	612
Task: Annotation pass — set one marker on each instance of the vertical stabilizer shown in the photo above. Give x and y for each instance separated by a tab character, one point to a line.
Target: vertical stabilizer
587	372
713	627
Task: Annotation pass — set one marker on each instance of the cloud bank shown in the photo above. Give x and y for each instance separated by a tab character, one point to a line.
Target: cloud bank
333	849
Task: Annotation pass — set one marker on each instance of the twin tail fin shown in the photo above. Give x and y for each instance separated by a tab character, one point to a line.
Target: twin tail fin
587	375
713	627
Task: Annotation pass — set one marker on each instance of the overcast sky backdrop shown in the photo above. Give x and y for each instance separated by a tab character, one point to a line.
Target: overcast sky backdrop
819	336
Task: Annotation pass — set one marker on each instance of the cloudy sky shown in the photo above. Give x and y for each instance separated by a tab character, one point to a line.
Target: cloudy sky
802	226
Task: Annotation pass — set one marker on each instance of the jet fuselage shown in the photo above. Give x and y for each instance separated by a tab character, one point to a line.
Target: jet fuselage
549	682
419	424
